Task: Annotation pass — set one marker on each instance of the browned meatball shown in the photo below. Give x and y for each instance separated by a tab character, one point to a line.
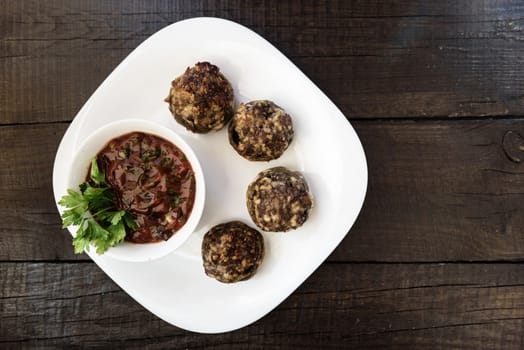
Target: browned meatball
232	252
201	99
260	130
279	200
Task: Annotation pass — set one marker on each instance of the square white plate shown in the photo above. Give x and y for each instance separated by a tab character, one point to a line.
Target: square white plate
326	149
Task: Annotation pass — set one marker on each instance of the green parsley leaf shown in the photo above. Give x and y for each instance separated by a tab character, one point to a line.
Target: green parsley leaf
117	233
111	216
98	197
96	174
93	209
77	208
130	221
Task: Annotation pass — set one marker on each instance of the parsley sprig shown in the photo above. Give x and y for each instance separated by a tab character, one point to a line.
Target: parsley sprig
93	209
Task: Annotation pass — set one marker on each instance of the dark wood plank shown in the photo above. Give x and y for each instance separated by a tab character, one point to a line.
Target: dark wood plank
373	58
438	191
30	223
388	306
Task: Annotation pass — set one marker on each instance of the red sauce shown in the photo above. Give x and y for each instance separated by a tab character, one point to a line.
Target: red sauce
153	180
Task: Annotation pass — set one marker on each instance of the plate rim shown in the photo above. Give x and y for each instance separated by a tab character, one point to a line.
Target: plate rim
73	130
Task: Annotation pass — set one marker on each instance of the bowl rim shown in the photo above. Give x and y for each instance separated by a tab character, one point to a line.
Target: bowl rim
95	141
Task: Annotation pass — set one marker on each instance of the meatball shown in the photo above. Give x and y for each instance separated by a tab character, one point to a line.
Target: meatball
260	130
201	99
279	200
232	252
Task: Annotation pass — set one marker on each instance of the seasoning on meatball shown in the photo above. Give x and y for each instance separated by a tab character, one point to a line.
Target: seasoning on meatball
232	252
201	99
260	130
279	200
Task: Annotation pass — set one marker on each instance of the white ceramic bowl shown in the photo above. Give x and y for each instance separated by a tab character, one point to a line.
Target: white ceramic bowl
127	251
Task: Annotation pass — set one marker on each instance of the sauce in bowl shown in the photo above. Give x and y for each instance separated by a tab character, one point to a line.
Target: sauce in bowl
153	180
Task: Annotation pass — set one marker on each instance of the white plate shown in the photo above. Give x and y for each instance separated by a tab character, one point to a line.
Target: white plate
91	145
326	149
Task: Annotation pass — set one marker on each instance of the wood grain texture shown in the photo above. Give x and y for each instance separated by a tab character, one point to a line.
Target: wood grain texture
30	224
438	191
363	306
435	90
373	58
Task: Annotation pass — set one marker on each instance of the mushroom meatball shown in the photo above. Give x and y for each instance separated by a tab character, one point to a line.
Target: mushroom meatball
260	130
279	200
232	252
201	99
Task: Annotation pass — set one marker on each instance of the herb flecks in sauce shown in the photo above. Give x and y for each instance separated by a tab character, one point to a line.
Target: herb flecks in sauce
154	182
139	187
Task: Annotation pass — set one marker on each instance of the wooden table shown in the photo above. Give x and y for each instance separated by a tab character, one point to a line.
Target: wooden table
435	90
